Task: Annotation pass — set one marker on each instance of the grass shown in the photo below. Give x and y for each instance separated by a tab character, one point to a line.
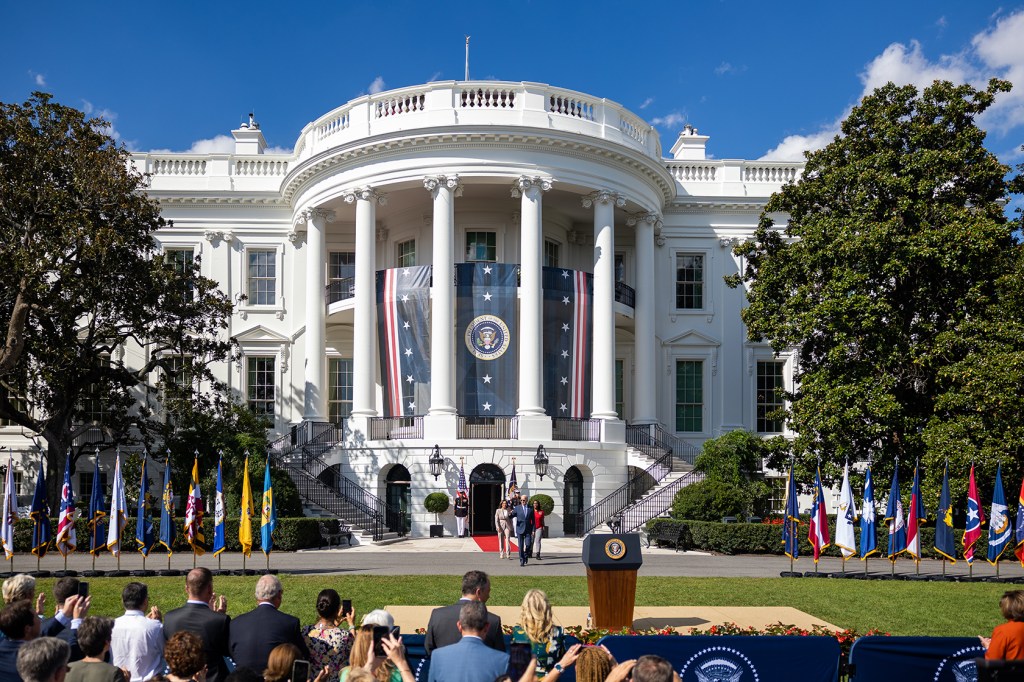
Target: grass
899	608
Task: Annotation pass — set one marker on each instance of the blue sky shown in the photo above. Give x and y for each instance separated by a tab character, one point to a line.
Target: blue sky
762	79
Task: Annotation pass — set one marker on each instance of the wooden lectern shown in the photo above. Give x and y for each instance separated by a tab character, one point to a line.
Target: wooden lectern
612	561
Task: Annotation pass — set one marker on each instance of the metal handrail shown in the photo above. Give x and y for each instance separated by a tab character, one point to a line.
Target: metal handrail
639	513
565	428
625	294
611	505
684	451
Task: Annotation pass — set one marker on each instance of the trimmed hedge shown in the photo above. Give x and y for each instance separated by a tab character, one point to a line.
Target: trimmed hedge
765	538
291	534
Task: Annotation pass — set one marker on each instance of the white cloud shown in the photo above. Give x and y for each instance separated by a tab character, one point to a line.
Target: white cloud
40	79
435	77
110	117
995	52
673	120
218	144
647	102
726	68
377	85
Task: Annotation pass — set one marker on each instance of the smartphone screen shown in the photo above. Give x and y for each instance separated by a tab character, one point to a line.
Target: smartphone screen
83	589
300	671
379	633
346	607
519	655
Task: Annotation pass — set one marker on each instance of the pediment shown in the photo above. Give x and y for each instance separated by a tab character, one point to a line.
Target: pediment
692	337
260	334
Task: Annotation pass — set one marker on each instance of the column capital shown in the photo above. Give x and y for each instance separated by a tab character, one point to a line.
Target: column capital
294	237
364	194
309	216
649	217
603	196
524	183
432	183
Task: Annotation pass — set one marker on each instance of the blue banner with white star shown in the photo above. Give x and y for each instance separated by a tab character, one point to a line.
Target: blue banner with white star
403	304
487	358
568	346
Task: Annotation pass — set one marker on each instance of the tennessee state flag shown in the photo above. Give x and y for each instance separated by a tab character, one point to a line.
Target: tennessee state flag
817	531
975	517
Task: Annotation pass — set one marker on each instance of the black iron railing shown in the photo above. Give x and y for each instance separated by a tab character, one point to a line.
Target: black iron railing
497	427
608	509
576	429
654	505
341	290
395	428
625	294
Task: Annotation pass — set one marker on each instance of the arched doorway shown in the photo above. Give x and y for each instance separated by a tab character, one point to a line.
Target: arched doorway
485	486
572	497
398	495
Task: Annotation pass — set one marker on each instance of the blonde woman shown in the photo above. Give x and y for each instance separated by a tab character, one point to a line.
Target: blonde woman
546	640
504	528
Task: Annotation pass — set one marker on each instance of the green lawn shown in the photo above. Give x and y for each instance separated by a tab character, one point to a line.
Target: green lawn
900	608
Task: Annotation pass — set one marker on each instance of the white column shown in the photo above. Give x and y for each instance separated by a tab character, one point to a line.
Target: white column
644	351
314	403
531	191
364	330
603	398
443	189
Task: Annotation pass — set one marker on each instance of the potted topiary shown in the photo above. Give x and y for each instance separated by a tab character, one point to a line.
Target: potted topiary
437	504
547	505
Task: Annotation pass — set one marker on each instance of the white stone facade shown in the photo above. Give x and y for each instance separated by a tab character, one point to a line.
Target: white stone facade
554	177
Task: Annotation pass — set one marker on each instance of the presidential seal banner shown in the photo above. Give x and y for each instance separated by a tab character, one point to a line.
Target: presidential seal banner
487	381
403	298
568	345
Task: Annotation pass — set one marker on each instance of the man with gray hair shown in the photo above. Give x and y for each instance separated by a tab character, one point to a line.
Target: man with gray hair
43	660
255	634
469	660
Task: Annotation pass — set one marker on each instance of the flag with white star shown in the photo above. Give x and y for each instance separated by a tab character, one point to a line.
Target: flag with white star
403	304
568	347
487	357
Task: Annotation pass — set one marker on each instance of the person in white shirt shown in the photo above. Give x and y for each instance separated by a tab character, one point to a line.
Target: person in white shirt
137	643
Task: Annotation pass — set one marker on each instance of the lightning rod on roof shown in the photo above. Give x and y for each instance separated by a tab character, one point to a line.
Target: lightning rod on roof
467	58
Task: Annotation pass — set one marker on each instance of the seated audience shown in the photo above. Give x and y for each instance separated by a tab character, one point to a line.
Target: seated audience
255	634
43	660
279	663
442	628
379	617
1007	640
392	667
94	641
329	644
186	659
594	664
64	589
20	624
469	659
138	640
206	616
546	640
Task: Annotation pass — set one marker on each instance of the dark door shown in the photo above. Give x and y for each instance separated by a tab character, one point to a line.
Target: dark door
398	495
485	485
572	496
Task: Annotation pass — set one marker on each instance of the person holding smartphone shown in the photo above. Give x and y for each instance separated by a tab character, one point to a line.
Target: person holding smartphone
330	639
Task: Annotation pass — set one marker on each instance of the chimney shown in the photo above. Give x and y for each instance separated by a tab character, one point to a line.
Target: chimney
249	138
690	146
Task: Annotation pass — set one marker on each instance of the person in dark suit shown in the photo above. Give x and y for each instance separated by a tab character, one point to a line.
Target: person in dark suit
524	529
63	590
255	634
443	628
20	624
204	614
469	660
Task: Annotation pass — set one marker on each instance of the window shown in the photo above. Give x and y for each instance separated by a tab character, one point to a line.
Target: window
179	371
620	267
405	253
262	277
769	396
481	247
85	488
16	395
260	385
339	395
777	501
182	260
94	400
342	265
620	399
550	253
689	281
689	395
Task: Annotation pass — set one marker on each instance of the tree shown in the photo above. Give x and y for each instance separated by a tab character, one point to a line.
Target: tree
895	240
91	310
732	485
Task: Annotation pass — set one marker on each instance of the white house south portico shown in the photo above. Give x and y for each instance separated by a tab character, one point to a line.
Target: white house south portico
590	265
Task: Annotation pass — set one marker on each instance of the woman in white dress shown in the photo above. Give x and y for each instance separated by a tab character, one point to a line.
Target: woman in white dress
504	528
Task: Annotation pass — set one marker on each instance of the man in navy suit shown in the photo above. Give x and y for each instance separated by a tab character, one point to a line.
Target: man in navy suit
255	634
469	660
524	529
206	617
20	624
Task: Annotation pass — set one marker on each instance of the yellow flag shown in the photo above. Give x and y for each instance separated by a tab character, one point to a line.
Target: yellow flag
245	524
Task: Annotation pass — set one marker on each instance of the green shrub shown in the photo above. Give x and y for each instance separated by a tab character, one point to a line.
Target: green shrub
436	503
547	504
708	500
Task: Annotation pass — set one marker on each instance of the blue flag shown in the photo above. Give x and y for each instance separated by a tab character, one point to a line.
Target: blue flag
1000	528
97	513
145	538
268	513
40	514
791	523
403	321
868	530
894	517
945	541
218	511
168	531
